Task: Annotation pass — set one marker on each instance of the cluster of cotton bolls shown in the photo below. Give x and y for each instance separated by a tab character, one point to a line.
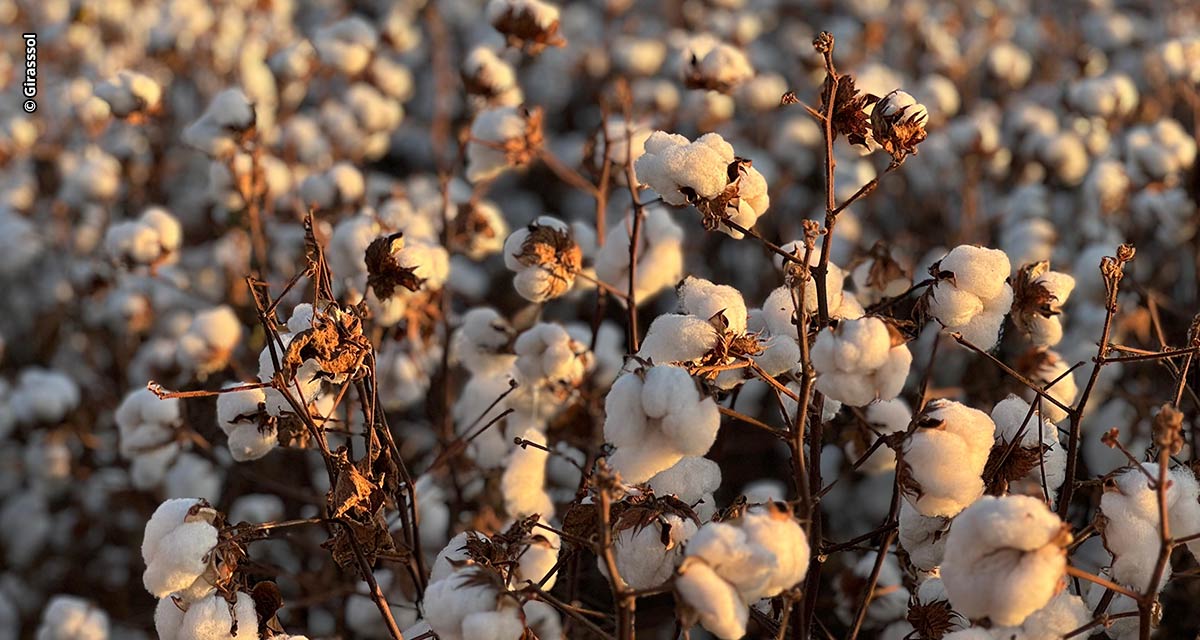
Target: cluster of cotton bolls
405	270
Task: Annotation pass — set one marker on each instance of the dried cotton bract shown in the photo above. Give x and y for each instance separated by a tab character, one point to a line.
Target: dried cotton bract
545	258
531	24
949	431
1038	296
861	361
1005	559
898	123
654	417
971	295
705	173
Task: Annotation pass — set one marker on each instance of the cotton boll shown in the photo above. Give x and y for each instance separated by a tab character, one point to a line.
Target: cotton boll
491	77
890	600
451	601
656	417
228	115
72	618
948	431
850	358
646	557
1005	559
1131	531
760	554
545	257
1009	64
715	602
546	352
677	338
481	340
362	614
978	270
886	417
923	537
713	65
524	479
1044	367
542	619
537	560
210	340
346	45
176	546
43	396
1032	434
705	299
693	480
212	618
192	475
660	255
492	132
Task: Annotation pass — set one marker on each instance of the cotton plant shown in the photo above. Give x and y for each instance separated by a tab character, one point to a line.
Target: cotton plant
209	342
707	63
1131	530
729	565
706	173
861	361
655	417
1005	559
947	430
971	295
212	617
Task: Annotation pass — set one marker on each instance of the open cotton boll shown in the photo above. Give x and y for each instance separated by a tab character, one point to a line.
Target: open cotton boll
537	560
451	601
835	280
677	338
1033	434
646	557
857	363
213	618
43	396
1005	559
1038	298
889	602
712	65
541	618
175	547
1160	152
948	431
129	92
977	270
885	417
524	479
704	299
346	45
1131	522
239	415
481	341
547	353
72	618
672	163
1062	615
1125	628
923	537
761	554
660	255
192	475
489	76
153	238
303	386
693	480
971	295
228	115
717	605
209	341
492	133
1043	367
545	258
656	417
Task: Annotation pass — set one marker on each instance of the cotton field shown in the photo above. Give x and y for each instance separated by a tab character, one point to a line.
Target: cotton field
599	319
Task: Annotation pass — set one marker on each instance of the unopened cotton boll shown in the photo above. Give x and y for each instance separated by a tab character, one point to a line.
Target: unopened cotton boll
1005	559
178	540
655	417
857	363
971	295
72	618
948	431
1131	520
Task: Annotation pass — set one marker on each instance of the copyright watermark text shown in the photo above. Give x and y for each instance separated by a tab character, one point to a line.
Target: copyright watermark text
29	84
